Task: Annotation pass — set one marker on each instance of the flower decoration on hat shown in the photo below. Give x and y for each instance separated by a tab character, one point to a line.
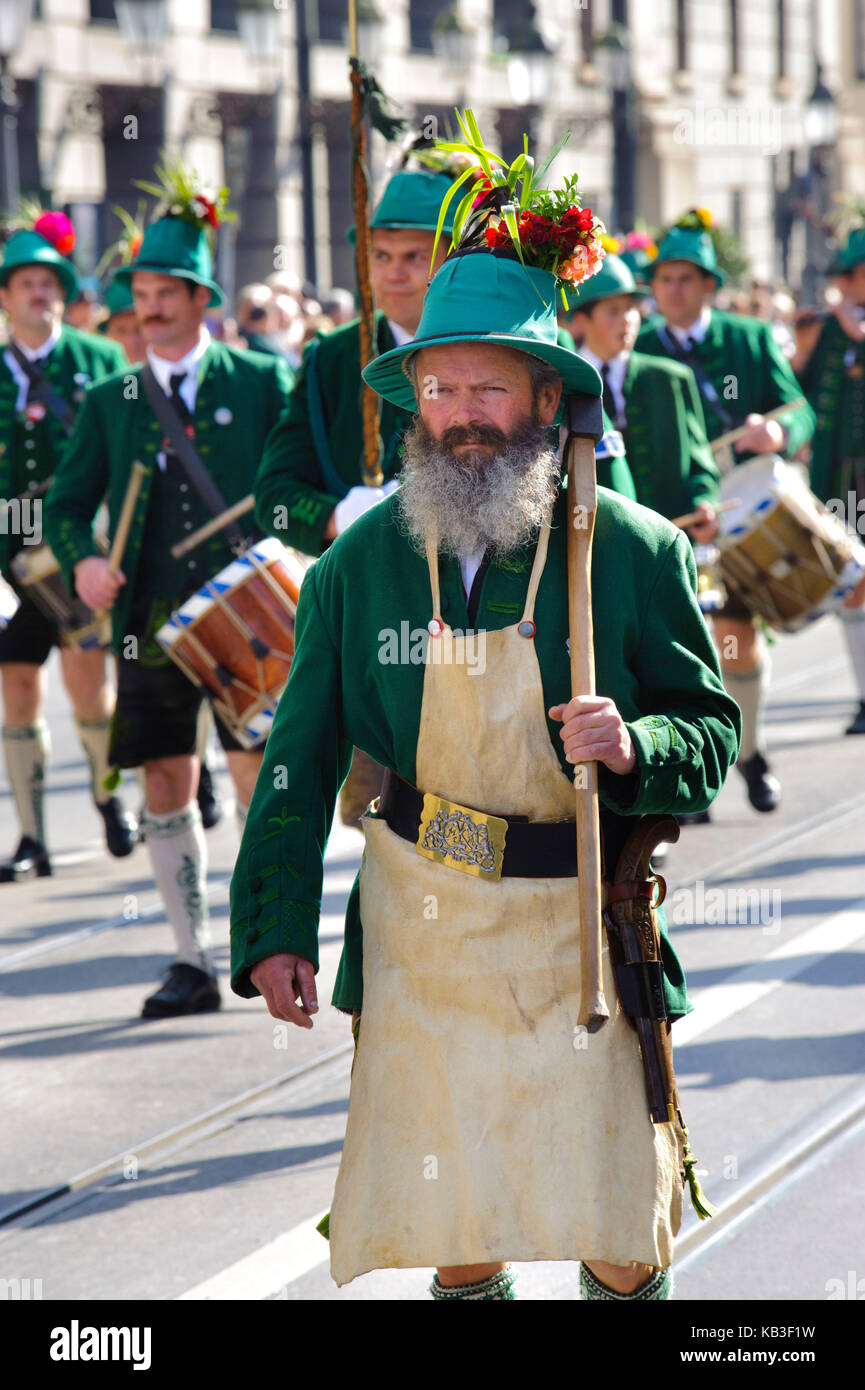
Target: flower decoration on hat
641	241
698	219
183	194
505	210
125	249
53	227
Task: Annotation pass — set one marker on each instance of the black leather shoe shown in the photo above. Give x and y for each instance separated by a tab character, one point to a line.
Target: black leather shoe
695	818
858	725
121	827
30	860
764	790
209	803
185	990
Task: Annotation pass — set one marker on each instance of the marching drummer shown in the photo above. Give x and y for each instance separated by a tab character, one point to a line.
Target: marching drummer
43	372
224	401
831	369
653	403
477	1132
741	375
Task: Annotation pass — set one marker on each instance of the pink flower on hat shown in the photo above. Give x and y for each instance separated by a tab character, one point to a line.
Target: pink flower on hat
56	228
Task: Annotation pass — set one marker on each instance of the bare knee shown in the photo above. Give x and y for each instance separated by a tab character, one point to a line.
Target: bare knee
170	783
22	693
622	1278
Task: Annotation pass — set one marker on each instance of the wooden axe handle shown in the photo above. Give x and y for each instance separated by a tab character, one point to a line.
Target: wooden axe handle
582	505
121	535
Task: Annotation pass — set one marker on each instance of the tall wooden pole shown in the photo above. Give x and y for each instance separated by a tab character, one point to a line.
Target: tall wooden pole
372	471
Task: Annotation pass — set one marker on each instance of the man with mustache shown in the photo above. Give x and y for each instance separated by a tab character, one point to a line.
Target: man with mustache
480	1129
227	401
35	416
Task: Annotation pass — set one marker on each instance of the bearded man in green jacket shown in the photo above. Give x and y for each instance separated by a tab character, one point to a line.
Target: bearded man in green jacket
741	375
227	400
433	634
35	417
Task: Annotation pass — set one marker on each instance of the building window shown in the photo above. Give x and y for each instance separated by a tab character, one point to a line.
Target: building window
681	36
332	20
735	39
587	38
223	15
781	37
104	10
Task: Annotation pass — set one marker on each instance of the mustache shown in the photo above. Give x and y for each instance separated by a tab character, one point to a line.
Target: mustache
472	434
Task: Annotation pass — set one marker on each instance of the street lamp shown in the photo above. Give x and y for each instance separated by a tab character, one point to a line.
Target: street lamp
530	69
820	120
613	54
15	15
144	23
821	114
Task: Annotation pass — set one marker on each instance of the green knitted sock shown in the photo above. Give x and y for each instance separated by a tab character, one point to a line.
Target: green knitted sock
497	1286
659	1286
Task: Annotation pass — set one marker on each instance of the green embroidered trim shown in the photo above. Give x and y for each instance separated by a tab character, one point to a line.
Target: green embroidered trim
659	1286
497	1287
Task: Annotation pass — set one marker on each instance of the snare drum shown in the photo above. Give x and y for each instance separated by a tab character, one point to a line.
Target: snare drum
782	553
711	592
9	603
37	571
235	637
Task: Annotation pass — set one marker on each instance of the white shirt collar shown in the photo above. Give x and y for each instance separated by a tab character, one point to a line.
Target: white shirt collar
698	329
34	354
400	336
164	370
617	367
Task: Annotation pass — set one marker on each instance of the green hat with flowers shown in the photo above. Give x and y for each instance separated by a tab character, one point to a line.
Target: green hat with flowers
851	254
177	241
41	238
513	245
614	277
690	240
411	200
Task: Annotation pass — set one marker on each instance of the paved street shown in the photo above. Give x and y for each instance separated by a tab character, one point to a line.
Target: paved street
212	1143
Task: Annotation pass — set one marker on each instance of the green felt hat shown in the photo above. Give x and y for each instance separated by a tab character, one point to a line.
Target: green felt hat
614	277
638	262
481	297
412	199
688	244
30	248
851	255
118	296
172	246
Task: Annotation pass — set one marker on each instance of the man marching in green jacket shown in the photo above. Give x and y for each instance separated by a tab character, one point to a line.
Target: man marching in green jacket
433	634
741	375
831	370
43	373
227	401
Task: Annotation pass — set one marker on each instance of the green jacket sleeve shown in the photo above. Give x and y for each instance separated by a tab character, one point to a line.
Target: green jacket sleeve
689	737
80	483
784	386
290	502
704	480
277	882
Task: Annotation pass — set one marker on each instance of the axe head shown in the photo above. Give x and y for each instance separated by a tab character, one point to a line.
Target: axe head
582	414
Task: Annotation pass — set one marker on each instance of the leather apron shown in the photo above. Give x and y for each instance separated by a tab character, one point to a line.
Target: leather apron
483	1124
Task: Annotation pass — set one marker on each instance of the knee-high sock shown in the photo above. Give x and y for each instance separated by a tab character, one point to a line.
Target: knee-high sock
748	689
853	626
26	748
178	853
93	734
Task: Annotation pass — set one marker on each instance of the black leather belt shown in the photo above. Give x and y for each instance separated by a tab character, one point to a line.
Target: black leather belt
533	849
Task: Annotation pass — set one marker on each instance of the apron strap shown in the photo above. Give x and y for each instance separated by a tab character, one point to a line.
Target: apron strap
537	571
432	559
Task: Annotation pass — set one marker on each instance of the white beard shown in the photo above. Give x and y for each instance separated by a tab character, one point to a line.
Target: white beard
477	501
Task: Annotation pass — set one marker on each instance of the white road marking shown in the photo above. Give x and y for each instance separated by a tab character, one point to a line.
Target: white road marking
266	1271
295	1253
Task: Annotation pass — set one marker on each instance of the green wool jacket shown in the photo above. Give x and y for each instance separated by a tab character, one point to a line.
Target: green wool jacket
239	398
749	372
297	489
30	450
834	382
315	454
665	437
654	657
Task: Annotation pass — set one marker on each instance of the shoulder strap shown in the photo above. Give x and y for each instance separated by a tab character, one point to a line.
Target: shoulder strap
186	453
706	387
43	392
335	484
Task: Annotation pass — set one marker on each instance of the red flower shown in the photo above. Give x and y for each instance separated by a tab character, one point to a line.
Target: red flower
56	228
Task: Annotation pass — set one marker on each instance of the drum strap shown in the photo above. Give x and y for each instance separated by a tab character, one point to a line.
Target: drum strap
41	392
186	453
706	387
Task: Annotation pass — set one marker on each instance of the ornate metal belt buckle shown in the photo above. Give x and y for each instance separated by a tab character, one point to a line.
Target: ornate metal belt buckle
460	838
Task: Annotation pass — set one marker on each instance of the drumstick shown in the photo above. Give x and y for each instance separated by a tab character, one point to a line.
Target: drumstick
732	435
582	505
691	518
230	514
118	545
